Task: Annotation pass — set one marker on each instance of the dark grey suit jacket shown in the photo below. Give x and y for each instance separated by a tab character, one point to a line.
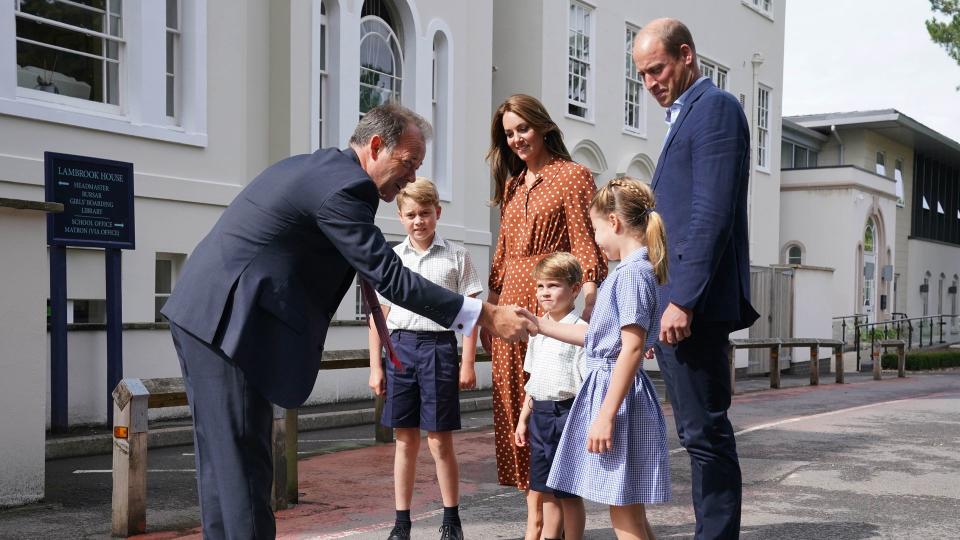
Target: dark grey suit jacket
263	285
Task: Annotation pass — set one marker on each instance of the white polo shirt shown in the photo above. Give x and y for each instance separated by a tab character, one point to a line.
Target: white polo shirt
556	369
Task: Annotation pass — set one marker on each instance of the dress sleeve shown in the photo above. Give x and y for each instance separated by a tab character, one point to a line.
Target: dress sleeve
576	207
635	300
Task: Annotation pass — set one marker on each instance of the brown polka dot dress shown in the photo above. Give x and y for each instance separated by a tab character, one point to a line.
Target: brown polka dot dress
551	216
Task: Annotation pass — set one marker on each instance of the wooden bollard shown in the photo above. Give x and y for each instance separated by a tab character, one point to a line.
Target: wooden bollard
129	504
814	365
278	499
732	353
775	366
838	363
901	360
875	352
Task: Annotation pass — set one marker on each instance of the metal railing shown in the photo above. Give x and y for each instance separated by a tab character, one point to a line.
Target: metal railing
901	328
840	328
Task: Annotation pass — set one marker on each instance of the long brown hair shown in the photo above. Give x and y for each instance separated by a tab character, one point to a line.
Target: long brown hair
632	201
504	164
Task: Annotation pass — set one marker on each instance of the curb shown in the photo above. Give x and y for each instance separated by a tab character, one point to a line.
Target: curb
92	445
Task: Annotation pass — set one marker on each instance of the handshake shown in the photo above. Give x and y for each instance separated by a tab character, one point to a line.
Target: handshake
511	323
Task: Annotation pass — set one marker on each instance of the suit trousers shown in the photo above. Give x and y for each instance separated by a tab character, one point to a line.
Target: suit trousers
697	377
232	425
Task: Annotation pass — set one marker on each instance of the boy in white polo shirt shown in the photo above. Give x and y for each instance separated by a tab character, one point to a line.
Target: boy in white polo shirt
425	393
556	372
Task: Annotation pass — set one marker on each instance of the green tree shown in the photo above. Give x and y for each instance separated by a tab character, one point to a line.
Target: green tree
945	30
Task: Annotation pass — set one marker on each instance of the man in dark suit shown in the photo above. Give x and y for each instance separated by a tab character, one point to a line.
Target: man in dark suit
250	312
701	191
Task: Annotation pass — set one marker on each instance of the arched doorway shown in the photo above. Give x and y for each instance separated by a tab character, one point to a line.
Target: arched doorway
869	292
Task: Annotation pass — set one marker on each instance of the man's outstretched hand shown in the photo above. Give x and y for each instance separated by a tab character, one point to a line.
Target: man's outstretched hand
511	323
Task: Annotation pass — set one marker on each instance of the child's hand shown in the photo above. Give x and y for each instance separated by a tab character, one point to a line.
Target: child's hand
600	437
377	382
468	377
649	355
520	435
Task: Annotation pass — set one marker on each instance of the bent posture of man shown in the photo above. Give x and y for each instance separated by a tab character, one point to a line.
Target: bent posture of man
701	191
250	313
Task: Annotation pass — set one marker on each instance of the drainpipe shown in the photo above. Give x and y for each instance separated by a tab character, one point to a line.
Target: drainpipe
836	135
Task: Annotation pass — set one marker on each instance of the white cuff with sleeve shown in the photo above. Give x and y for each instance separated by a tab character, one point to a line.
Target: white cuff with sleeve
466	320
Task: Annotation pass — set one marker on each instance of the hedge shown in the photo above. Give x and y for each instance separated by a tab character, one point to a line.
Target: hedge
918	361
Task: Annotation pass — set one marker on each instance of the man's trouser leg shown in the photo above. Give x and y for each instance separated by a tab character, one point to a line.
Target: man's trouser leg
231	434
697	376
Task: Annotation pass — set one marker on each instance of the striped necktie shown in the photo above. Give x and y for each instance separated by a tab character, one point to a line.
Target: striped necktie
373	307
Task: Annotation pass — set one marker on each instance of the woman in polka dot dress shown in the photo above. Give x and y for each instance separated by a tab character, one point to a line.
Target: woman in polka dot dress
544	200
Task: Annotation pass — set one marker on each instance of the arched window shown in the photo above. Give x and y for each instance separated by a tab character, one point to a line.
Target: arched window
323	88
441	115
794	255
869	268
925	294
943	278
381	57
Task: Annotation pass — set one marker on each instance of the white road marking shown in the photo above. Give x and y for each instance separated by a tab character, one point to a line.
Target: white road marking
794	419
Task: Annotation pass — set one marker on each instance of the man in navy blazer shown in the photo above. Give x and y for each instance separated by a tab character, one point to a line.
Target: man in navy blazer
701	191
250	312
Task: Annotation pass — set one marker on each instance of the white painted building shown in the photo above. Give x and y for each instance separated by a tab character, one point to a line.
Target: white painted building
575	56
201	95
885	193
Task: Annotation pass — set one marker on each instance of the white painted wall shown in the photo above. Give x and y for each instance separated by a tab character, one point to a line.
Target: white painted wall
24	289
933	257
841	199
812	309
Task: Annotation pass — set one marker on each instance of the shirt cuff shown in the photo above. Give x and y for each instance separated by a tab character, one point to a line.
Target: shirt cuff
466	320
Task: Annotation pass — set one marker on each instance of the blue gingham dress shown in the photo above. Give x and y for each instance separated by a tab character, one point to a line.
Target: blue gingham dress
637	467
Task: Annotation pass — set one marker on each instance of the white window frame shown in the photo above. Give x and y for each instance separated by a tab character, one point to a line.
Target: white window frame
142	102
441	98
718	73
898	178
763	7
588	59
633	80
175	34
764	128
399	66
176	261
788	249
881	163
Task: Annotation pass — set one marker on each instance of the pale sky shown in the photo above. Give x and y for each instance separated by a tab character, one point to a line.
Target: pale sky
857	55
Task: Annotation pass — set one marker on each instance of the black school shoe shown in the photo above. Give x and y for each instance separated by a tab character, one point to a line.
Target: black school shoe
400	532
451	532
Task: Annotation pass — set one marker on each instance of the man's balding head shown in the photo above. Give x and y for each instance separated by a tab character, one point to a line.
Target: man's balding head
666	59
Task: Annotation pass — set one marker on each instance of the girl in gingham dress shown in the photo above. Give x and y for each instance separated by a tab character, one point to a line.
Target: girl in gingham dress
614	447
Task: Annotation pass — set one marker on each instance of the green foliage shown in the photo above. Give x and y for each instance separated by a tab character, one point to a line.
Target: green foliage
917	361
945	30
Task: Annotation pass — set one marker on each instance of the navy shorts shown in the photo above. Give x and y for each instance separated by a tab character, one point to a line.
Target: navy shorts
426	394
546	426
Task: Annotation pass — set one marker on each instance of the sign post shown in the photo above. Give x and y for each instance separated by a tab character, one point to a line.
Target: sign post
97	196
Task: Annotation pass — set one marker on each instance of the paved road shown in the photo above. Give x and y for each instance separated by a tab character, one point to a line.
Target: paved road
856	461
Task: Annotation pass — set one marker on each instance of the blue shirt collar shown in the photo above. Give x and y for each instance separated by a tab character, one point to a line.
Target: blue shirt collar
673	111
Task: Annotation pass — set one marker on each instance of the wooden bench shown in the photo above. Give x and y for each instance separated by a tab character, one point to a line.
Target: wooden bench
132	398
775	344
901	347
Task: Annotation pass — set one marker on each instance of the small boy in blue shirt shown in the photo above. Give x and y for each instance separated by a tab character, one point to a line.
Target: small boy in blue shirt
425	393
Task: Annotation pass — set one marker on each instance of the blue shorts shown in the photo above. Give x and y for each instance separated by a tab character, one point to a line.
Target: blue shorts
426	394
546	426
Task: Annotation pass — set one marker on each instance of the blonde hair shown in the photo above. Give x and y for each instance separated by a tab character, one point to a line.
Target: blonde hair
559	265
421	191
632	201
504	163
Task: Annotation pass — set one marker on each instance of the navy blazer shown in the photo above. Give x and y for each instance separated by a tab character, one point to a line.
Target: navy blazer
264	284
701	191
